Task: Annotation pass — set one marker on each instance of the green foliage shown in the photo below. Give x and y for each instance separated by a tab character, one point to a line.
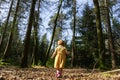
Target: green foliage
116	28
60	25
107	74
43	48
50	62
3	63
13	61
86	41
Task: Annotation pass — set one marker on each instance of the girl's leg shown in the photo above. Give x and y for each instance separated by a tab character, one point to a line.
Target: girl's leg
61	72
58	73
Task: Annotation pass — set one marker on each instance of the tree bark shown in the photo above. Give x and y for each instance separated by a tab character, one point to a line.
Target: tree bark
35	34
24	62
111	45
99	33
73	61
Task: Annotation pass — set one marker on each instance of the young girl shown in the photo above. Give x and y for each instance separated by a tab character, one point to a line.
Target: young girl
60	57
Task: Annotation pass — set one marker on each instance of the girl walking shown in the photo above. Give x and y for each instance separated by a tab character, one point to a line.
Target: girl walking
60	58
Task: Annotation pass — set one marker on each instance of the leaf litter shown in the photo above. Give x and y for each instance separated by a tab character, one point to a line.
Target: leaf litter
44	73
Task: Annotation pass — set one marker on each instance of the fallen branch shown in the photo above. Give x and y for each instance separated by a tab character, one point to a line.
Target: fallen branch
113	71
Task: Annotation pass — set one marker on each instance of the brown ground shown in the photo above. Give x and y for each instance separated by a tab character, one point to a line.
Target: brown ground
42	73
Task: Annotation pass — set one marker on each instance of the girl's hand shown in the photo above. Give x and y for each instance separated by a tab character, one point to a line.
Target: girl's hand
52	57
68	52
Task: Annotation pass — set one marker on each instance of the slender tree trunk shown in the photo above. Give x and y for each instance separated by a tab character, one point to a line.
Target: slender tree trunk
73	61
35	33
99	33
11	33
53	33
108	24
24	62
6	24
34	53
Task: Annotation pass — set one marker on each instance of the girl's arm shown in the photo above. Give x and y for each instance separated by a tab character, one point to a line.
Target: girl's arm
54	54
67	52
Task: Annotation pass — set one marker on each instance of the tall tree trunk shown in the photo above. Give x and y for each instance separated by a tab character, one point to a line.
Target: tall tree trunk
11	33
111	45
53	33
99	33
35	33
24	62
73	61
6	24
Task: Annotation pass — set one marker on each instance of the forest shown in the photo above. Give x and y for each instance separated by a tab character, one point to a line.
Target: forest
30	29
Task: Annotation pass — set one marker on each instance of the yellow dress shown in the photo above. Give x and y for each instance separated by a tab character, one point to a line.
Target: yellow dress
60	57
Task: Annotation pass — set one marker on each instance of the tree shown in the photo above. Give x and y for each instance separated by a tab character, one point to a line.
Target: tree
5	55
99	32
106	15
73	61
53	33
6	25
35	34
60	28
24	62
108	25
86	39
43	47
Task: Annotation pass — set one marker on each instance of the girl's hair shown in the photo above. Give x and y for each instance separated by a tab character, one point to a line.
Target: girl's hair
60	42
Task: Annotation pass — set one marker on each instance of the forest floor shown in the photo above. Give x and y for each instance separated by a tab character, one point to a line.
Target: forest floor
43	73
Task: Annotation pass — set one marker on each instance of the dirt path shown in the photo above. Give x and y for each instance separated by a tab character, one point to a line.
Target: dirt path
13	73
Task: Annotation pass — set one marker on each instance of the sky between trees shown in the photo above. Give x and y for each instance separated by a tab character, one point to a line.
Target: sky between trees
46	14
53	9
